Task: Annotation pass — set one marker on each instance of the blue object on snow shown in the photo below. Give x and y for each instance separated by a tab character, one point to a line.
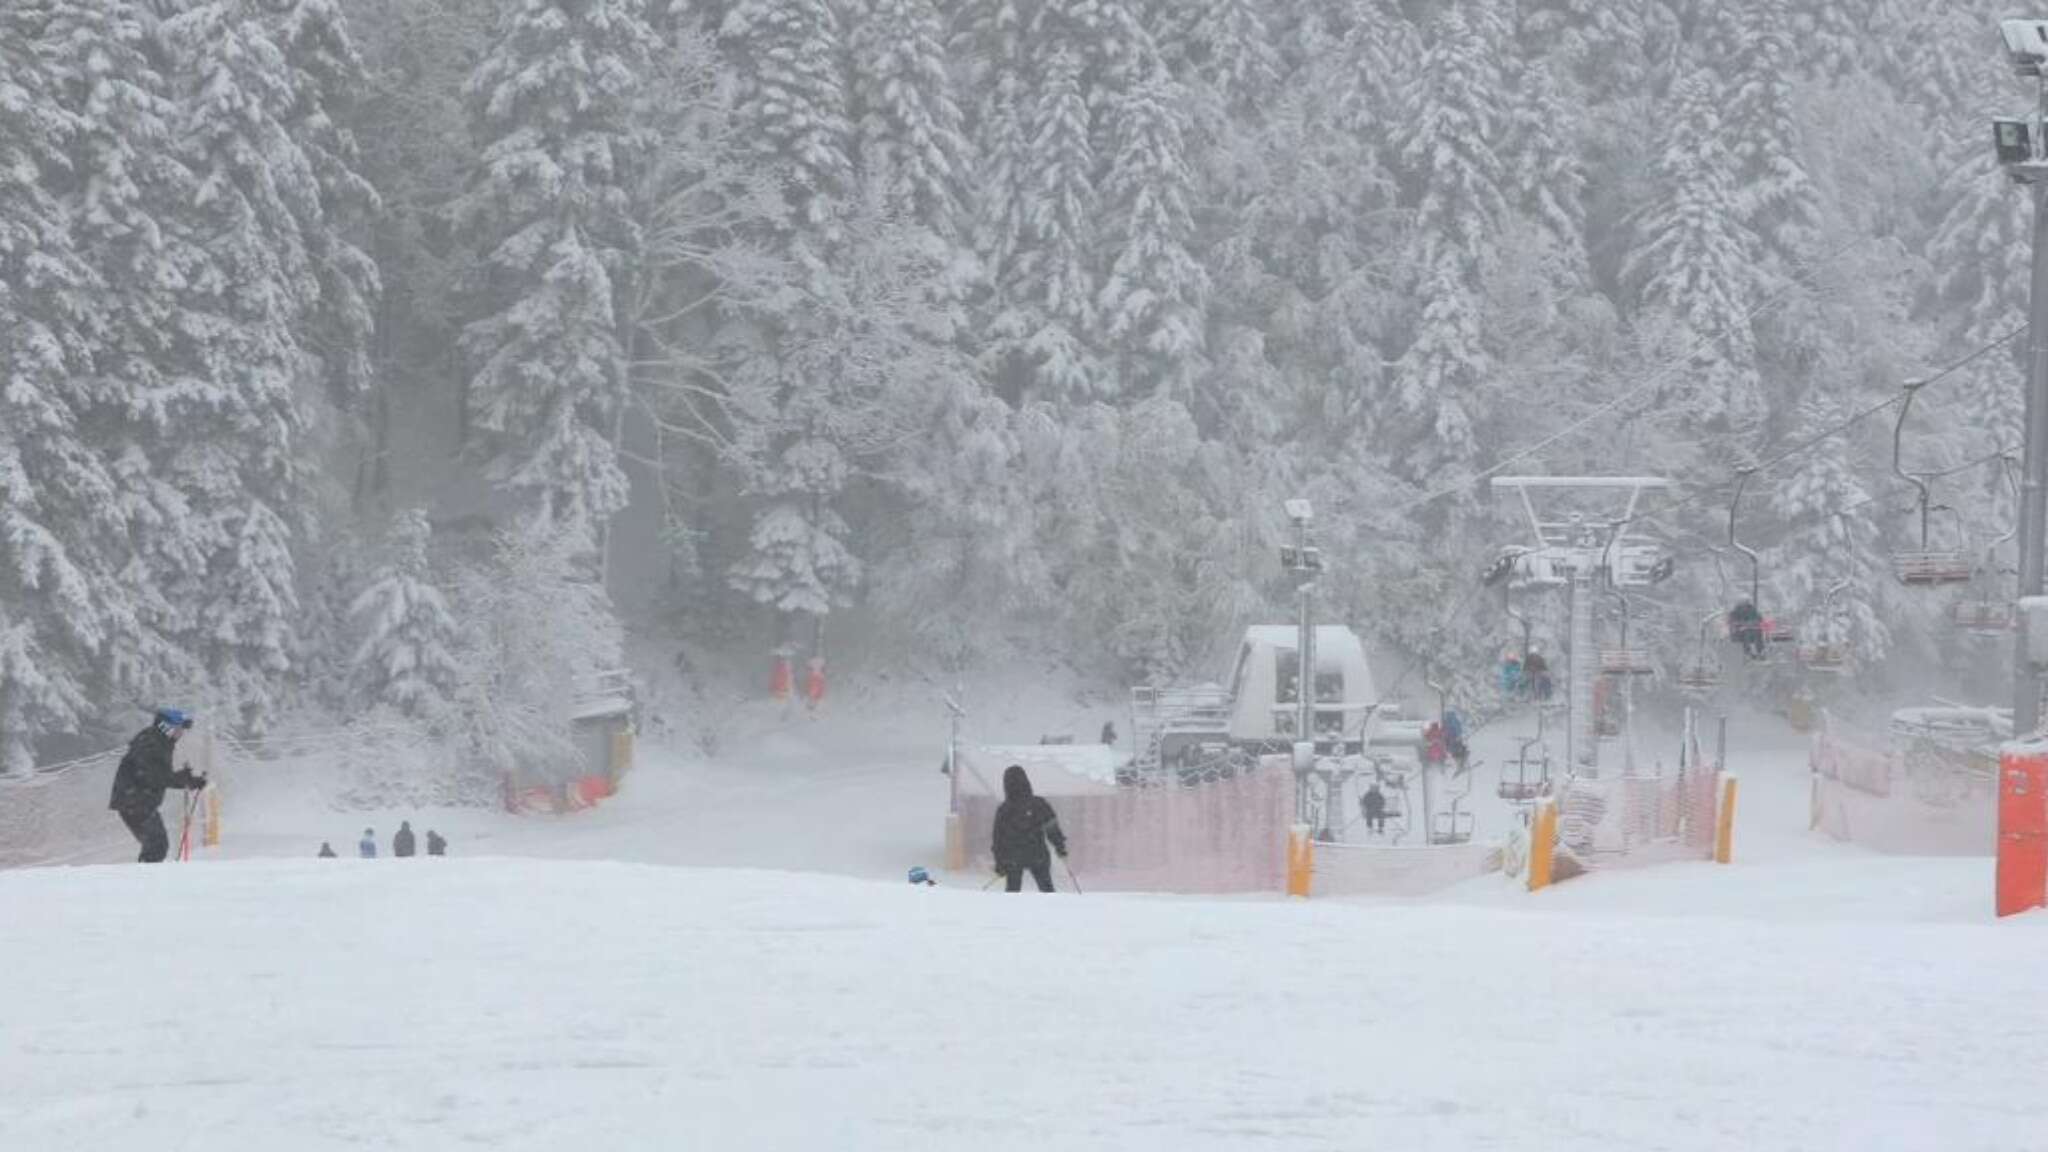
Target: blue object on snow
920	876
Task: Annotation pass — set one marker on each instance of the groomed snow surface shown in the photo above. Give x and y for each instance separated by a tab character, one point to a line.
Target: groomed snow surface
1809	997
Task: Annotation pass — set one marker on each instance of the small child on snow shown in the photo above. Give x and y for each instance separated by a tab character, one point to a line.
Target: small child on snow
367	849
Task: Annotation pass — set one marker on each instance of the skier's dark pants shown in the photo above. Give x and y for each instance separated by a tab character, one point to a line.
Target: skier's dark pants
148	829
1041	871
1376	822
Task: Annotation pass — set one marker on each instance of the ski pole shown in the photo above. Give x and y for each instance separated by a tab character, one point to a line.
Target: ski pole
1071	878
185	832
991	881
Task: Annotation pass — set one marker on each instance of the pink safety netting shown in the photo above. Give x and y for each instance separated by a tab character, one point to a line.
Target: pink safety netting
1219	835
1631	821
1923	798
59	815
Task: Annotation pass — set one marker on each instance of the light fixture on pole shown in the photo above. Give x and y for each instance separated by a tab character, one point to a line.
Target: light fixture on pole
2019	146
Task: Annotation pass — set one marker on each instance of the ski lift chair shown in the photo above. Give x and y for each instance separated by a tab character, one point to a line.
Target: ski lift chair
1523	782
1924	566
1983	611
1453	827
1775	634
1700	676
1825	658
1626	662
1982	617
1930	567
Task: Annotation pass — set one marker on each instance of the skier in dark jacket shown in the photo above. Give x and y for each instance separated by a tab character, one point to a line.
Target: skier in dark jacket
1374	805
1746	627
1024	823
402	843
435	845
327	851
144	775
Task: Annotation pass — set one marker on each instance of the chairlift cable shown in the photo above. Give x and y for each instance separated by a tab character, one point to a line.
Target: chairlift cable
1656	378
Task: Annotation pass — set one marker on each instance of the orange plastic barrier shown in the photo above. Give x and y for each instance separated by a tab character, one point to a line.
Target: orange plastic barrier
1301	861
2022	831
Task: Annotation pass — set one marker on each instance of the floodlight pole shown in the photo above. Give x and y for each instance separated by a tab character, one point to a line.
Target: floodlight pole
1305	564
2033	509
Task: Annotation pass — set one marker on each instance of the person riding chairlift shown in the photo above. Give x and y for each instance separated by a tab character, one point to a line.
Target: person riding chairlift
1536	675
1511	682
1746	627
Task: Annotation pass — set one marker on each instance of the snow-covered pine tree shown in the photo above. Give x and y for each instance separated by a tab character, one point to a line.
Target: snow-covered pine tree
128	192
406	658
861	362
555	105
1774	192
1693	269
1152	296
535	622
788	56
1051	276
1545	170
327	74
237	454
1229	46
1597	43
1447	145
911	132
54	488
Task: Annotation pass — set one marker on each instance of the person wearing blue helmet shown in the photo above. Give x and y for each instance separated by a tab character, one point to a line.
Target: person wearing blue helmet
146	772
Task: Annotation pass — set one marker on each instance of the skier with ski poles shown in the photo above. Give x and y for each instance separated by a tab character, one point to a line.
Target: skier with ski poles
1024	823
145	774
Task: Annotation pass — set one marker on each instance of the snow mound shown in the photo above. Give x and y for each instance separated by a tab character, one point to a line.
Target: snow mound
525	1004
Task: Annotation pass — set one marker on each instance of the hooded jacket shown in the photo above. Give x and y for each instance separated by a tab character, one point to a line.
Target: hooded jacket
402	843
145	773
1024	822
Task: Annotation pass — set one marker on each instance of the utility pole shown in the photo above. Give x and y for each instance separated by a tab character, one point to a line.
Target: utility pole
1305	562
2020	146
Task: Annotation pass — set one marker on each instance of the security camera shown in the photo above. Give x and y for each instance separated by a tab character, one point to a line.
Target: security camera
1299	511
2026	42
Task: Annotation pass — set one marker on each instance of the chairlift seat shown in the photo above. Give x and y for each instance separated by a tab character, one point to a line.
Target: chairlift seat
1983	617
1626	662
1824	658
1927	568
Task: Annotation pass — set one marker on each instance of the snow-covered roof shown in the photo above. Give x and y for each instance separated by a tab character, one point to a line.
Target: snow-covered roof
1055	769
599	707
1333	641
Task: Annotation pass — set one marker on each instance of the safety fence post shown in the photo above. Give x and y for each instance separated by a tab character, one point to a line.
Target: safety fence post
1301	860
1542	844
1724	820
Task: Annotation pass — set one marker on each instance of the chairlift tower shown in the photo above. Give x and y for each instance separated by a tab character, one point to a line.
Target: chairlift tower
1304	561
2023	152
1580	548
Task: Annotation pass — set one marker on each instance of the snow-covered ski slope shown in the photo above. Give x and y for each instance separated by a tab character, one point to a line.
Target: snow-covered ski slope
556	984
521	1004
